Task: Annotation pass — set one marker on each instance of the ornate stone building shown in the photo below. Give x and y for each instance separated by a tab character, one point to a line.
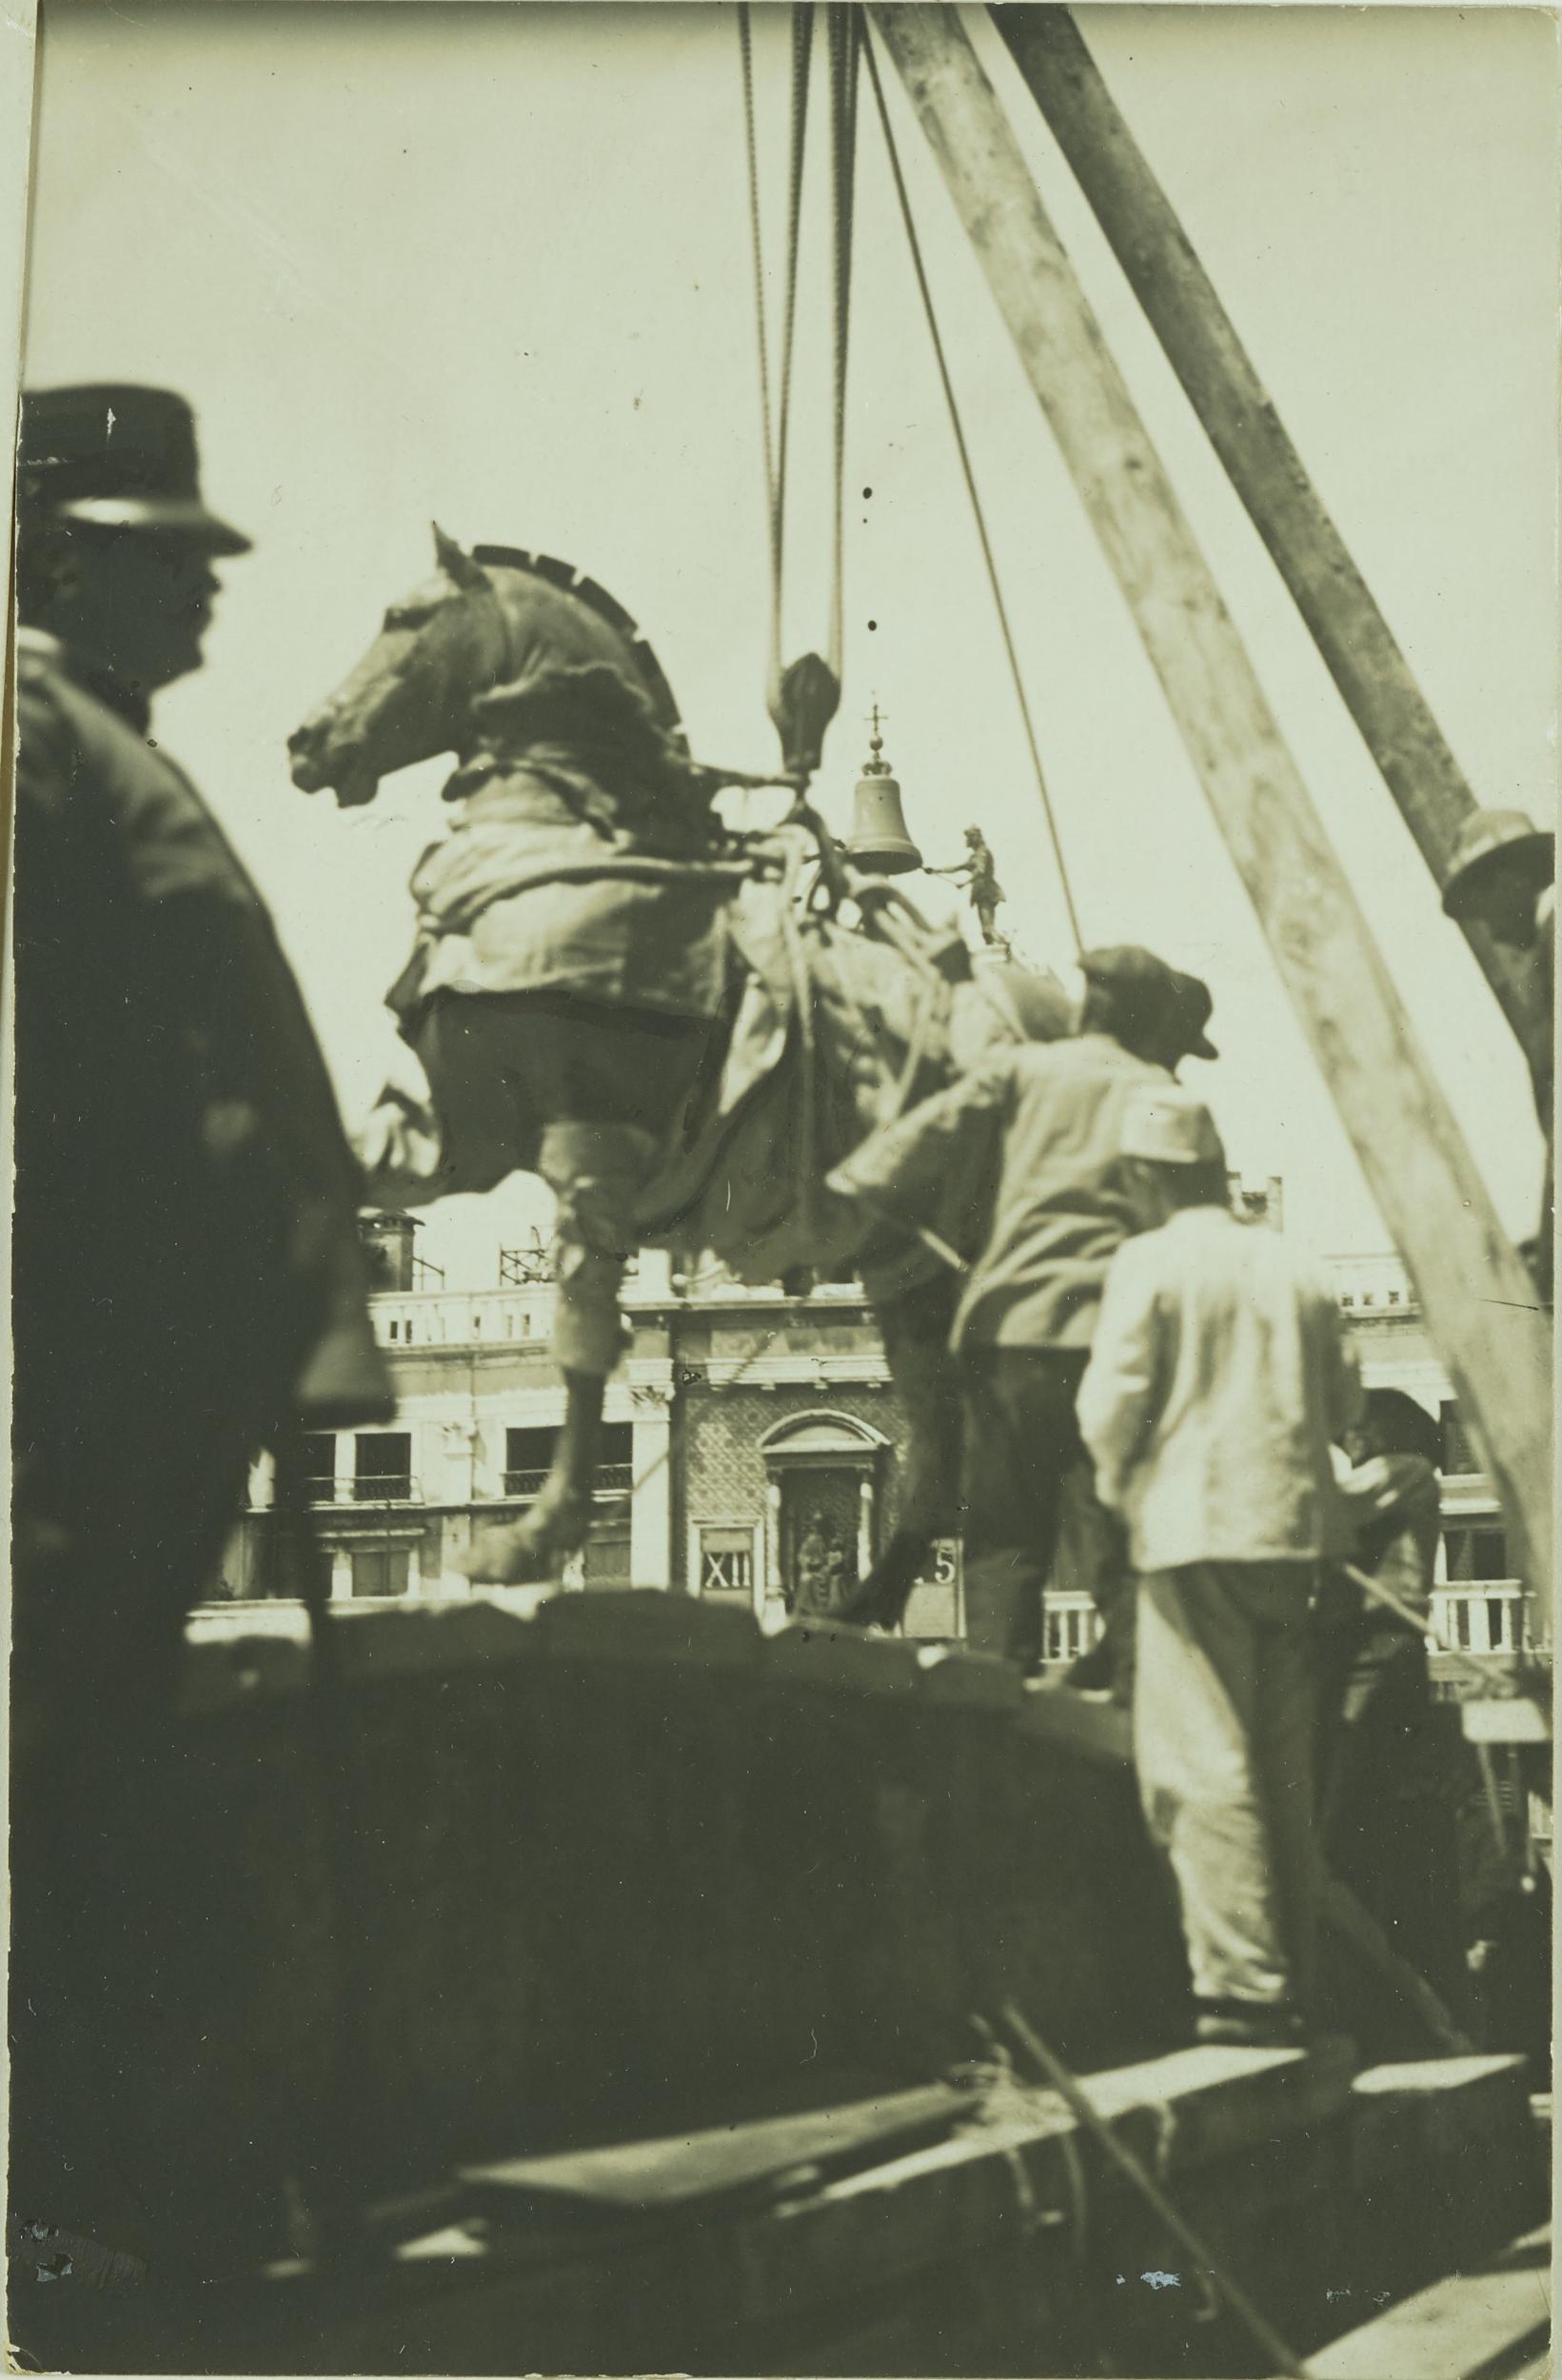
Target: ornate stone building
739	1419
752	1447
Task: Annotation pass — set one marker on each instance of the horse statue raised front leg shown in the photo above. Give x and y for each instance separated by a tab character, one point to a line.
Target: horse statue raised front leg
609	989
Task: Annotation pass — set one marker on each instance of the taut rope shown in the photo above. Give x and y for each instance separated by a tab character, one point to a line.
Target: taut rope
970	489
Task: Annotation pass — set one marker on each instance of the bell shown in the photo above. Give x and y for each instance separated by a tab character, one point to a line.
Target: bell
878	840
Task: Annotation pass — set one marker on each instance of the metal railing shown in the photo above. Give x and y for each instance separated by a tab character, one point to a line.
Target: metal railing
613	1479
388	1487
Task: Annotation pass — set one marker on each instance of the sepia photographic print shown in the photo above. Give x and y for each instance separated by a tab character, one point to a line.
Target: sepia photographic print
780	1021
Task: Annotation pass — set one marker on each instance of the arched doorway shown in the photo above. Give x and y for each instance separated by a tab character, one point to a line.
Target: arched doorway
824	1482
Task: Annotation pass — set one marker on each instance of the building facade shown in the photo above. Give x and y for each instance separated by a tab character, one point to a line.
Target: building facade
741	1424
753	1449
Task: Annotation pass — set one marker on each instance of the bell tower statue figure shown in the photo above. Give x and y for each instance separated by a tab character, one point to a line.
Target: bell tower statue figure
978	872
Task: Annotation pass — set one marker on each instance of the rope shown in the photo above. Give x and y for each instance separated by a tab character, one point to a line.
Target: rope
802	52
1421	1622
845	27
745	54
1051	2066
970	489
802	700
776	413
806	1184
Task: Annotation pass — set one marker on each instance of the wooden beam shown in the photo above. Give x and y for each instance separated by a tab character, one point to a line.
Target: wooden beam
1476	1294
1230	401
1494	2317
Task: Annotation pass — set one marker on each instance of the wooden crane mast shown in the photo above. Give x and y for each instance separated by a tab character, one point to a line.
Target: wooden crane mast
1478	1298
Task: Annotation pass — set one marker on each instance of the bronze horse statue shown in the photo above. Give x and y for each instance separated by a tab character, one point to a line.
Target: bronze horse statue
676	1026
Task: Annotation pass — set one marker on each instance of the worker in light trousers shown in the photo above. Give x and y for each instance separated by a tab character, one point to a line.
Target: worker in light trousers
1219	1377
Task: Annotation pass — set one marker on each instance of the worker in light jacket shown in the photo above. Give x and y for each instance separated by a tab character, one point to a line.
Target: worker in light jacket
1037	1130
1218	1378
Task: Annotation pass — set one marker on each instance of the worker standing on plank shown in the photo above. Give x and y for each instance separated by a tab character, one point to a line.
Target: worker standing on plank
1218	1378
1504	874
1040	1126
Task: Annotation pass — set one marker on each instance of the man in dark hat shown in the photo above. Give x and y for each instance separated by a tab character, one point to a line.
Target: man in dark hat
188	1285
1046	1120
1503	873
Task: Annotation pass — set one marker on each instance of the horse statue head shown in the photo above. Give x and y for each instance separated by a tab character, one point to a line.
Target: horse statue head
488	620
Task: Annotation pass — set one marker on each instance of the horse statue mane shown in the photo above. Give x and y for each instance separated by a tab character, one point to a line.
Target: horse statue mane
596	598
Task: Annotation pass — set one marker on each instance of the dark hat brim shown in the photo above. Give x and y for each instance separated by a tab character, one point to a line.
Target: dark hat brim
170	516
1203	1047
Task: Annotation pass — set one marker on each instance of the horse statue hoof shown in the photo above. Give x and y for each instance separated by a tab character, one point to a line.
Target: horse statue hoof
531	1553
399	1152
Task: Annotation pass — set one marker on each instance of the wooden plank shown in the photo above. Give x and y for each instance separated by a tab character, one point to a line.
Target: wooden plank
707	2164
1492	2317
1476	1294
1201	345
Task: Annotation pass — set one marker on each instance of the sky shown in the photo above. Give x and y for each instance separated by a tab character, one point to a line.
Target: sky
491	265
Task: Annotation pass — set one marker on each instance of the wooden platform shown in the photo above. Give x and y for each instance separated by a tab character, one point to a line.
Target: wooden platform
1490	2321
1008	2245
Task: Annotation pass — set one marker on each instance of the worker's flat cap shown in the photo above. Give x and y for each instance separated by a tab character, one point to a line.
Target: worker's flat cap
116	457
1143	990
1137	977
1171	1127
1487	839
1194	1007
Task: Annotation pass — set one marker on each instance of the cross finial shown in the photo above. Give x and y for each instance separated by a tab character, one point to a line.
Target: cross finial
876	739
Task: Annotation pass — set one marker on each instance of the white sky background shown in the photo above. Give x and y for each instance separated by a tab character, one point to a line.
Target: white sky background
491	265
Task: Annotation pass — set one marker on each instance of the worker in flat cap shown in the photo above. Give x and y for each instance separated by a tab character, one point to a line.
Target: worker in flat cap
1218	1378
189	1285
1503	873
1043	1122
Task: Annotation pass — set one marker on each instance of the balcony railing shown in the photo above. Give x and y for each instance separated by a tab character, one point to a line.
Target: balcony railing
613	1479
463	1318
1373	1287
1484	1617
392	1487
